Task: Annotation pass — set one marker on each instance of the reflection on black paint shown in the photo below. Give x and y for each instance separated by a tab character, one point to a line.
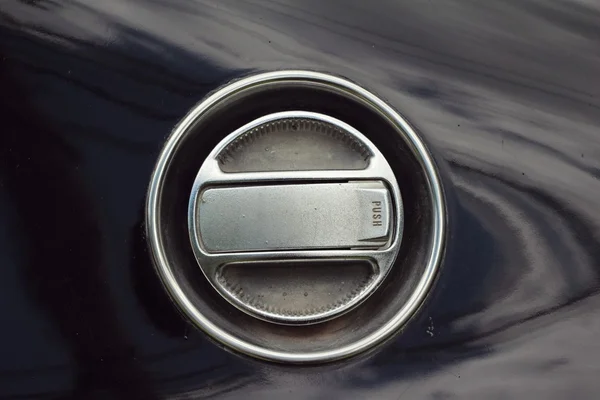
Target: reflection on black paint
65	265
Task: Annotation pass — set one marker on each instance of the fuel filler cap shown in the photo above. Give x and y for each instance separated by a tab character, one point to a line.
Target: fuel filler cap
296	217
293	188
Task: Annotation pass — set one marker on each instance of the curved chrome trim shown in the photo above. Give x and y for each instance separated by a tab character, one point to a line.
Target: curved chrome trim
437	230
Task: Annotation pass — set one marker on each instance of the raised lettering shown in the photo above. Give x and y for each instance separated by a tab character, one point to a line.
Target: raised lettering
376	209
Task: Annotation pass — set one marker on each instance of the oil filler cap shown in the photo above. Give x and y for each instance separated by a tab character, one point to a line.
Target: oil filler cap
278	217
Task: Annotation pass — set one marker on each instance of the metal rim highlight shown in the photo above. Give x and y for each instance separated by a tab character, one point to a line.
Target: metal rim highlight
410	137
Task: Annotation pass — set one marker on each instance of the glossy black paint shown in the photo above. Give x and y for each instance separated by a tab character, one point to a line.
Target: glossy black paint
506	93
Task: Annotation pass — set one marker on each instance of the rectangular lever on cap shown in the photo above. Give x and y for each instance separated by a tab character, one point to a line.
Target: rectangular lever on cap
294	217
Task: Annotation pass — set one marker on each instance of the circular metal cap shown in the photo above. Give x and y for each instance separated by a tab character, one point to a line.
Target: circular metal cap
299	186
295	190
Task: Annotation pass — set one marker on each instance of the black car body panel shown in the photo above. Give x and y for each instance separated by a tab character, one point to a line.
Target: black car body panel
507	94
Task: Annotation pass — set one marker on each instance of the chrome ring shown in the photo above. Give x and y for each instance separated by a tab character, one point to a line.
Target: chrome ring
438	228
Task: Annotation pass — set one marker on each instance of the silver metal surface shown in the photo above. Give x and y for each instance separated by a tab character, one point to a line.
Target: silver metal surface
298	145
293	217
296	288
256	348
339	238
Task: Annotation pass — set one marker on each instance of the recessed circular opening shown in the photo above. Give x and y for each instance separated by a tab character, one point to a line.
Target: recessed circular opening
388	309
